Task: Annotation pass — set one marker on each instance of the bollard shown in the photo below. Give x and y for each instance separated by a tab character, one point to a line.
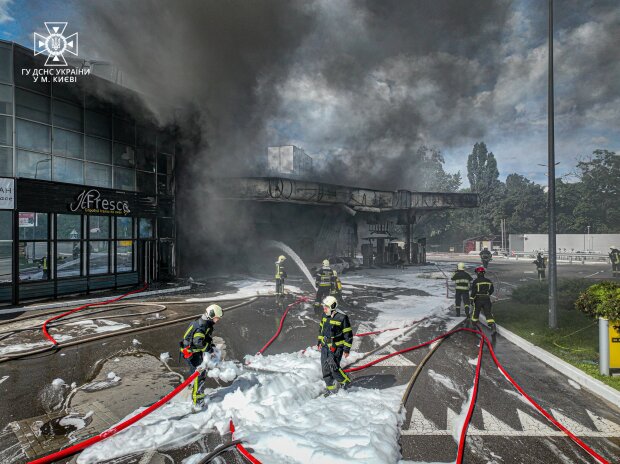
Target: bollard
603	346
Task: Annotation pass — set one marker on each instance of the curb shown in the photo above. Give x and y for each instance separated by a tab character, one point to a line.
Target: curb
589	383
21	309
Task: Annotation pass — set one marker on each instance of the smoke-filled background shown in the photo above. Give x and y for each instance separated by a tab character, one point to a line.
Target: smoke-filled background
361	85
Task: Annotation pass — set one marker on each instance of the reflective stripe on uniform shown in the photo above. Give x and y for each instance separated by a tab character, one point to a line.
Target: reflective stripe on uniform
348	329
333	322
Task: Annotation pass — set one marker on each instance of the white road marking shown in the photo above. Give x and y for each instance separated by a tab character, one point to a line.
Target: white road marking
530	426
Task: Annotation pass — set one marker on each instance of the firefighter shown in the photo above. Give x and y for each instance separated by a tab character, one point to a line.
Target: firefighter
45	268
462	279
198	340
335	341
485	257
614	256
280	276
336	291
325	283
481	291
541	264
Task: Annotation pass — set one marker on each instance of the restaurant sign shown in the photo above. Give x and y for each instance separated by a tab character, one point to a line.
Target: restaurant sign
90	202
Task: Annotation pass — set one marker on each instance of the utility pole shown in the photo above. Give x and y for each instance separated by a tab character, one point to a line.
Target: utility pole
553	274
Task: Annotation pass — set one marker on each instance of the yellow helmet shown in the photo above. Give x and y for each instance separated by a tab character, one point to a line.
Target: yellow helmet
326	263
460	266
281	258
330	302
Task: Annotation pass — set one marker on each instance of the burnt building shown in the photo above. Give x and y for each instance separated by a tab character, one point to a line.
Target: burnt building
87	197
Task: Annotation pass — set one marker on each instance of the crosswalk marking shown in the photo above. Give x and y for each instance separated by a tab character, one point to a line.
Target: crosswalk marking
530	426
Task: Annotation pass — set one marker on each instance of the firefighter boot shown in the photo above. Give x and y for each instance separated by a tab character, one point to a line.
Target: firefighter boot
458	311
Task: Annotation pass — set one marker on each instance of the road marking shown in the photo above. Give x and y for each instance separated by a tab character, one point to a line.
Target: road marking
530	426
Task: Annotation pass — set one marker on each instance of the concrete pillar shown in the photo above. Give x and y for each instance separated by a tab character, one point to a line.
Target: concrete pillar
603	346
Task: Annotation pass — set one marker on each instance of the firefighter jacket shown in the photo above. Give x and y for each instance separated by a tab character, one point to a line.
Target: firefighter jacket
462	280
481	288
614	256
540	262
280	272
335	331
198	336
485	254
326	277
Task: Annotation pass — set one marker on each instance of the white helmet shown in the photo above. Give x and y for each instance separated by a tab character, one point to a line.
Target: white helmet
281	259
330	302
326	263
460	266
612	247
213	311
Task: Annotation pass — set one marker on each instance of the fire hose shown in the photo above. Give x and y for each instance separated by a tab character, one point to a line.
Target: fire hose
301	299
80	446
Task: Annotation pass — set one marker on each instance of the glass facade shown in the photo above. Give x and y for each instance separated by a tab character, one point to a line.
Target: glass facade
61	132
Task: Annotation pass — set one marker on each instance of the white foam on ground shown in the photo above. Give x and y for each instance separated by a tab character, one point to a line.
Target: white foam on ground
19	347
442	379
248	288
282	416
4	377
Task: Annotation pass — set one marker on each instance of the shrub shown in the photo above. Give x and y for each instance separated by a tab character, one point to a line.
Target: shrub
538	292
601	300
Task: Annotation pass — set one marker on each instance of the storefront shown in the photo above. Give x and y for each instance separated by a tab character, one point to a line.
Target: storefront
60	239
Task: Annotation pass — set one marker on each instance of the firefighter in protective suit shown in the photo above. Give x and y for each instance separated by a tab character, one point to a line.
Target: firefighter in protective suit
481	291
485	257
280	276
541	264
335	341
614	256
462	279
198	340
325	281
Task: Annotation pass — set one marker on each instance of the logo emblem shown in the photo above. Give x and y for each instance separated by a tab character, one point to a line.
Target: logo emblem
55	44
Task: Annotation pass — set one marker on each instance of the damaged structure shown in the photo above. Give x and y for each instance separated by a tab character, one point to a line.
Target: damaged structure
319	220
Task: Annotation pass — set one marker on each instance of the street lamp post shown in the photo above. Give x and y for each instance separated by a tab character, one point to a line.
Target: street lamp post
553	275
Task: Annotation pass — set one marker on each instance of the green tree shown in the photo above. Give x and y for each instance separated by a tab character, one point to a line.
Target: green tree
523	205
482	171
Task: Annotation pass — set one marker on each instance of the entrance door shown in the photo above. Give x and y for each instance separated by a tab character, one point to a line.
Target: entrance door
147	260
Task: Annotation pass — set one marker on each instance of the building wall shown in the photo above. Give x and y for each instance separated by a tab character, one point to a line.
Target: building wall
578	242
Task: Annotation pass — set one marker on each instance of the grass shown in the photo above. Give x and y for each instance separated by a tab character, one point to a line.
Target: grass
576	341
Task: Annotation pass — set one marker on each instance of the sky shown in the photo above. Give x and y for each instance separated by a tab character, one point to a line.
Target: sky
363	84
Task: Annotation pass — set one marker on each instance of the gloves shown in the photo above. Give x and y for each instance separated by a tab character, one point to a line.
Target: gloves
186	353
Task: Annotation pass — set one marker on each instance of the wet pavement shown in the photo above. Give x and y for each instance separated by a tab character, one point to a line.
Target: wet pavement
114	376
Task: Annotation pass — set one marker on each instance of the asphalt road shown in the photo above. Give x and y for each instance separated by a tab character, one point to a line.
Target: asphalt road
504	428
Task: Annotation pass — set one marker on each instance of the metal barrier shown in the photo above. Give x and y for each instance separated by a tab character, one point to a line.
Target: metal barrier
567	257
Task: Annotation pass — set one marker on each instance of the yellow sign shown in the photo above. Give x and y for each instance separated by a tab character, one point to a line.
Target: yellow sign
125	242
614	344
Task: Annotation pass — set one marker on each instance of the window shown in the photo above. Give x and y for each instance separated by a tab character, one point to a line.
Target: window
34	165
6	99
124	227
24	59
31	105
67	116
99	227
124	131
34	263
6	70
146	137
99	259
164	164
99	150
67	143
146	182
6	130
68	258
146	228
68	246
98	124
124	155
32	136
163	184
68	170
6	246
6	162
124	255
72	92
98	175
145	159
32	226
124	179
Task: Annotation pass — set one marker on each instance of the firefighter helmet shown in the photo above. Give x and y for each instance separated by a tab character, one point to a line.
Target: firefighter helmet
281	258
330	302
480	270
460	266
326	263
213	311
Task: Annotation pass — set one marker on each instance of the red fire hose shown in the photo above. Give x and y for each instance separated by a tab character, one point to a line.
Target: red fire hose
472	404
245	453
101	303
301	299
